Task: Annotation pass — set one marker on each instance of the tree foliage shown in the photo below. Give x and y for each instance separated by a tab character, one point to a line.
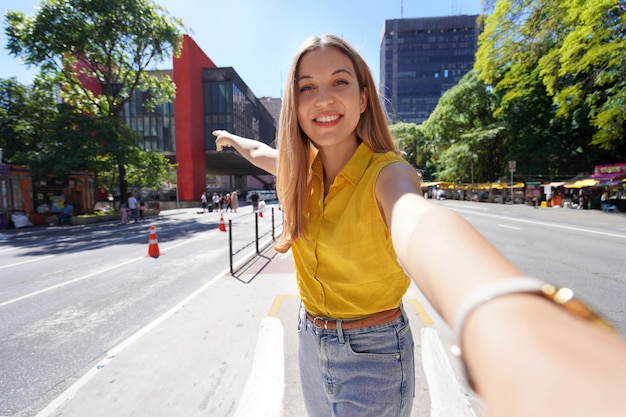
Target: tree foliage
576	49
99	52
407	136
464	135
25	115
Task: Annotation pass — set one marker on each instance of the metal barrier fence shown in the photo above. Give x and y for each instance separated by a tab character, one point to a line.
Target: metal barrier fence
257	239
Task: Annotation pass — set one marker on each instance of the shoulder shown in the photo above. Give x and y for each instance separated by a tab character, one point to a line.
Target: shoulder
397	177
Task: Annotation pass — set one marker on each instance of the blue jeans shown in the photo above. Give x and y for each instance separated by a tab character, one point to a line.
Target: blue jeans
64	218
365	372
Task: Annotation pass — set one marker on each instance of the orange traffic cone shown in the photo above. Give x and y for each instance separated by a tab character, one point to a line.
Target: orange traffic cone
222	225
153	247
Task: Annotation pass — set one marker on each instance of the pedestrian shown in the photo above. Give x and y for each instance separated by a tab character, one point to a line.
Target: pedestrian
234	198
203	202
123	213
358	228
228	202
142	209
604	201
133	206
216	202
66	214
254	198
581	201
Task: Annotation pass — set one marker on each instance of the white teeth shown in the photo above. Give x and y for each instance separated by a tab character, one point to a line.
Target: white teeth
326	119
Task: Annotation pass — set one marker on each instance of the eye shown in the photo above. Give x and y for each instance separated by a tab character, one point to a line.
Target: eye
305	88
342	82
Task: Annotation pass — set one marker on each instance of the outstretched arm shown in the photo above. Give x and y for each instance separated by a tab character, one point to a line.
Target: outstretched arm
526	355
257	153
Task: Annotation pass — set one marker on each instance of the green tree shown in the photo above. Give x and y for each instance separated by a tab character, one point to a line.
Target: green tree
587	68
25	115
570	52
464	134
406	137
410	139
544	144
100	52
150	171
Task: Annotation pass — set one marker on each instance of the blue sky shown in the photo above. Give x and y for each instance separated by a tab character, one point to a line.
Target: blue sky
259	37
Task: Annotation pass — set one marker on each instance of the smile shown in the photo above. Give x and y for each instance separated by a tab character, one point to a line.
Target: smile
327	119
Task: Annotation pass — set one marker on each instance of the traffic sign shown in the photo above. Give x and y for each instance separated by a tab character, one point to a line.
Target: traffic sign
512	166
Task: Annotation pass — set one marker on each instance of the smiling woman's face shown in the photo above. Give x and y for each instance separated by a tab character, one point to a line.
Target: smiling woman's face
330	101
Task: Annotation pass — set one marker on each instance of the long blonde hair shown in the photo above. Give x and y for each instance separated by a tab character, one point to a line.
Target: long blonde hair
296	151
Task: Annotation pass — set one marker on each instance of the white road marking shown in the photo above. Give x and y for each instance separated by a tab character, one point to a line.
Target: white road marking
37	259
510	227
263	393
446	396
556	226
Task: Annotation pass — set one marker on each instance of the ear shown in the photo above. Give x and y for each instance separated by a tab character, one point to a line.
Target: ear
363	104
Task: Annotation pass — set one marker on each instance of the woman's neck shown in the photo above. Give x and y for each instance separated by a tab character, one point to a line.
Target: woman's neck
333	160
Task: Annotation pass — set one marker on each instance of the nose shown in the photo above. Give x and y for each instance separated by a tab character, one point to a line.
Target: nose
324	97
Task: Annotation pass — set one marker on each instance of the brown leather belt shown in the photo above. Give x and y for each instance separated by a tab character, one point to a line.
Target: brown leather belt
379	318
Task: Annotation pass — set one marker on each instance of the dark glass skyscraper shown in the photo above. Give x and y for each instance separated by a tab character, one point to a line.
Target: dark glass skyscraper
420	59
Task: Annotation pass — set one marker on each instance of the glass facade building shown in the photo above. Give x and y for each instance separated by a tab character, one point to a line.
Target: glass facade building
156	129
420	59
229	104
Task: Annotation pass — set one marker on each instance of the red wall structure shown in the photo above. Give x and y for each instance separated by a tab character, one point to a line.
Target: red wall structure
189	120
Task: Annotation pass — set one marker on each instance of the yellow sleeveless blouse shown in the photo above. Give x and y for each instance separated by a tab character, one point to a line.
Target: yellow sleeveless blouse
347	268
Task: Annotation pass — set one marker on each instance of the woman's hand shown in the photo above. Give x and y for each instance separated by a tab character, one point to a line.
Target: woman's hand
223	139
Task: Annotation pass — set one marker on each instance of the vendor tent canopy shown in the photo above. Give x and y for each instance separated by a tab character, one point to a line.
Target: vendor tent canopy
607	178
502	185
435	183
608	183
582	183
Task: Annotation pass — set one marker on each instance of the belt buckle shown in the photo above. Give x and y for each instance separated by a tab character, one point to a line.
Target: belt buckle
316	318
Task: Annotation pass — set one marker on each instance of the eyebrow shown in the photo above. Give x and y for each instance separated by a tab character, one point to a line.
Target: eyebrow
339	71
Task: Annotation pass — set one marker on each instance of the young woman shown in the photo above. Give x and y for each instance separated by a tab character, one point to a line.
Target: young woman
358	228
